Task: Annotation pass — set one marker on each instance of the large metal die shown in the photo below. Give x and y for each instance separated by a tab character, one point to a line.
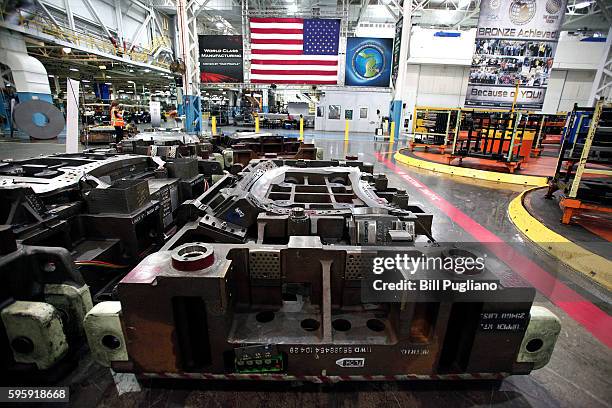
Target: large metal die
303	300
265	278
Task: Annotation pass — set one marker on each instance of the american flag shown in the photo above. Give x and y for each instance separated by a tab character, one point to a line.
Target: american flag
294	50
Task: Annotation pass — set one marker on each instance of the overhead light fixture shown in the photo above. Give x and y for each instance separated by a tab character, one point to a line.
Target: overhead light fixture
51	76
147	70
108	83
108	76
131	70
102	66
85	80
74	70
130	82
67	50
86	86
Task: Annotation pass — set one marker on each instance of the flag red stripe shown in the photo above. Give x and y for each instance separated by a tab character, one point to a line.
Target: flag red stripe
297	81
274	41
276	30
291	72
279	52
276	20
292	62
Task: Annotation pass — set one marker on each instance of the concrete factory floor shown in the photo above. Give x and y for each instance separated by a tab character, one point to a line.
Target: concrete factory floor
578	375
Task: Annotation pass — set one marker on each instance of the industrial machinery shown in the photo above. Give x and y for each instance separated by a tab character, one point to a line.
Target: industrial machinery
241	147
170	145
72	225
268	278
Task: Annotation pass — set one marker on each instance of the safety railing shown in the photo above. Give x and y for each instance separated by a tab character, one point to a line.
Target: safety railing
39	24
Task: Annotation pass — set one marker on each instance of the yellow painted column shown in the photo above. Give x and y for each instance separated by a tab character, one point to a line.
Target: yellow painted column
256	124
392	133
301	129
346	131
213	123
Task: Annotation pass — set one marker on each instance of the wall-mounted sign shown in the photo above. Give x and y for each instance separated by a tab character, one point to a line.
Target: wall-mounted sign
397	42
515	42
368	61
221	59
334	112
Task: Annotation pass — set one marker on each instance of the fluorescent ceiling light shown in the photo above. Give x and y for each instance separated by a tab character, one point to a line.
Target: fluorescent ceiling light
108	83
51	76
131	70
102	66
147	70
67	50
130	82
85	80
74	70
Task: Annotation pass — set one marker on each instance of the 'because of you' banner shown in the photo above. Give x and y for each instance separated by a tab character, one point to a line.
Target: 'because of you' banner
516	41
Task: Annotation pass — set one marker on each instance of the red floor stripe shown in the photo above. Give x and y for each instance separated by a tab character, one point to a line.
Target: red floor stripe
592	318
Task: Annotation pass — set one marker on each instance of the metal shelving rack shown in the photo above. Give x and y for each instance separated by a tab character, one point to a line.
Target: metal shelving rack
548	125
584	167
492	135
434	127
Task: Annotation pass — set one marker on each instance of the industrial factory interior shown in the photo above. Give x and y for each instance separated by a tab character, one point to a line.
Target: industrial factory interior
317	203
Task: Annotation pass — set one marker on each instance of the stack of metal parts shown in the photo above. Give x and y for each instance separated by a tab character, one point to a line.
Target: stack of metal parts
103	134
241	147
265	281
174	145
72	226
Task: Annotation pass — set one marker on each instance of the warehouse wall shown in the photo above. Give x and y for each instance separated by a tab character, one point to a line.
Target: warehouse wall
438	68
354	99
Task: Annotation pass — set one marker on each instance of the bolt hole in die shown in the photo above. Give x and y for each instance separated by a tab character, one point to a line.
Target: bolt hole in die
264	317
534	345
310	324
375	325
341	325
111	342
22	345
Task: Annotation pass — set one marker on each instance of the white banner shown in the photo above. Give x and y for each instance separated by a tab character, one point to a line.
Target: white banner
72	116
155	111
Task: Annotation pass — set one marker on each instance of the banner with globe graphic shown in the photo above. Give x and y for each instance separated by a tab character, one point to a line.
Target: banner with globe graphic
516	42
368	61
